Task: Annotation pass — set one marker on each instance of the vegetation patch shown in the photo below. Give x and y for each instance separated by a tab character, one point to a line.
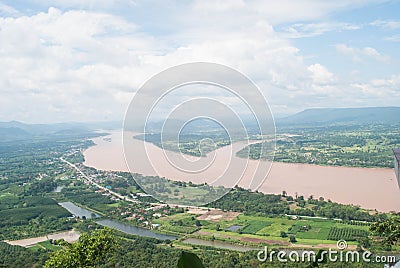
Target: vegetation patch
254	226
348	234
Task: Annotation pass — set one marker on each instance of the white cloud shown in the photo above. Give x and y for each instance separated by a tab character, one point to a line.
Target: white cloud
76	63
84	4
62	65
386	24
7	10
302	10
379	91
82	65
300	30
393	38
320	74
358	54
219	5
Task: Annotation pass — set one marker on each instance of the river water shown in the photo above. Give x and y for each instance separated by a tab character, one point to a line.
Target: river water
139	231
80	212
372	188
134	230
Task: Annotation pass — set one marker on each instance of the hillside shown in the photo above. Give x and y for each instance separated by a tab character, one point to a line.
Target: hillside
15	130
342	116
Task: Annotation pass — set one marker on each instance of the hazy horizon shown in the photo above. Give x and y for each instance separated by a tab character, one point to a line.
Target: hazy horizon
281	116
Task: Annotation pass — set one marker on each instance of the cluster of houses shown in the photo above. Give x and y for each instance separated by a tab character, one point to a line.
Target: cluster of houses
143	216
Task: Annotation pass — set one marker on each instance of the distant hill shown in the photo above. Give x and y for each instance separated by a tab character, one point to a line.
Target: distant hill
309	117
342	116
15	130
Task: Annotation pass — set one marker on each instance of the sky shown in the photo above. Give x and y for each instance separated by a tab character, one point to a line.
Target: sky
63	61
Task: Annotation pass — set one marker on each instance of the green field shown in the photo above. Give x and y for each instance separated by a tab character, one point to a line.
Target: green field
254	226
181	223
174	191
307	231
356	146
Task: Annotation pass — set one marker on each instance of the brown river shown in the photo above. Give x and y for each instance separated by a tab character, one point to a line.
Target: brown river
372	188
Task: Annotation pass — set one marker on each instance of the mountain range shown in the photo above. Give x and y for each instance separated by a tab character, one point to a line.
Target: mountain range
308	117
343	116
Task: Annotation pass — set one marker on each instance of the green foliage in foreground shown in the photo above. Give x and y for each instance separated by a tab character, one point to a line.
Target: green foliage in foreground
104	249
142	252
189	260
91	250
388	230
19	257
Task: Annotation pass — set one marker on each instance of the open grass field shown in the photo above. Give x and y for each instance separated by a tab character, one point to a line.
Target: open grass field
47	245
265	230
181	223
254	226
44	245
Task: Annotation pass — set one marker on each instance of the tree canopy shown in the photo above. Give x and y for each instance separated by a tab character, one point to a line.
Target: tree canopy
388	229
91	250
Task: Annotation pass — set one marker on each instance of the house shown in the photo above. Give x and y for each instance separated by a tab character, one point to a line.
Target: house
397	164
142	194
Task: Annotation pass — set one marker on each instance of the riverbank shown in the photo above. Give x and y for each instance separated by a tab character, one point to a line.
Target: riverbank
370	188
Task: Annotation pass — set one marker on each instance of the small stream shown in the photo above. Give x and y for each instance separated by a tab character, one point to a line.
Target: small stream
125	228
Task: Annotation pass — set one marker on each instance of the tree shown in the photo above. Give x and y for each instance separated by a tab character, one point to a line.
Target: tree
292	239
388	229
91	250
189	260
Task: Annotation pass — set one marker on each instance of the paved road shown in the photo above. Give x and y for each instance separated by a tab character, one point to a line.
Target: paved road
123	197
126	198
